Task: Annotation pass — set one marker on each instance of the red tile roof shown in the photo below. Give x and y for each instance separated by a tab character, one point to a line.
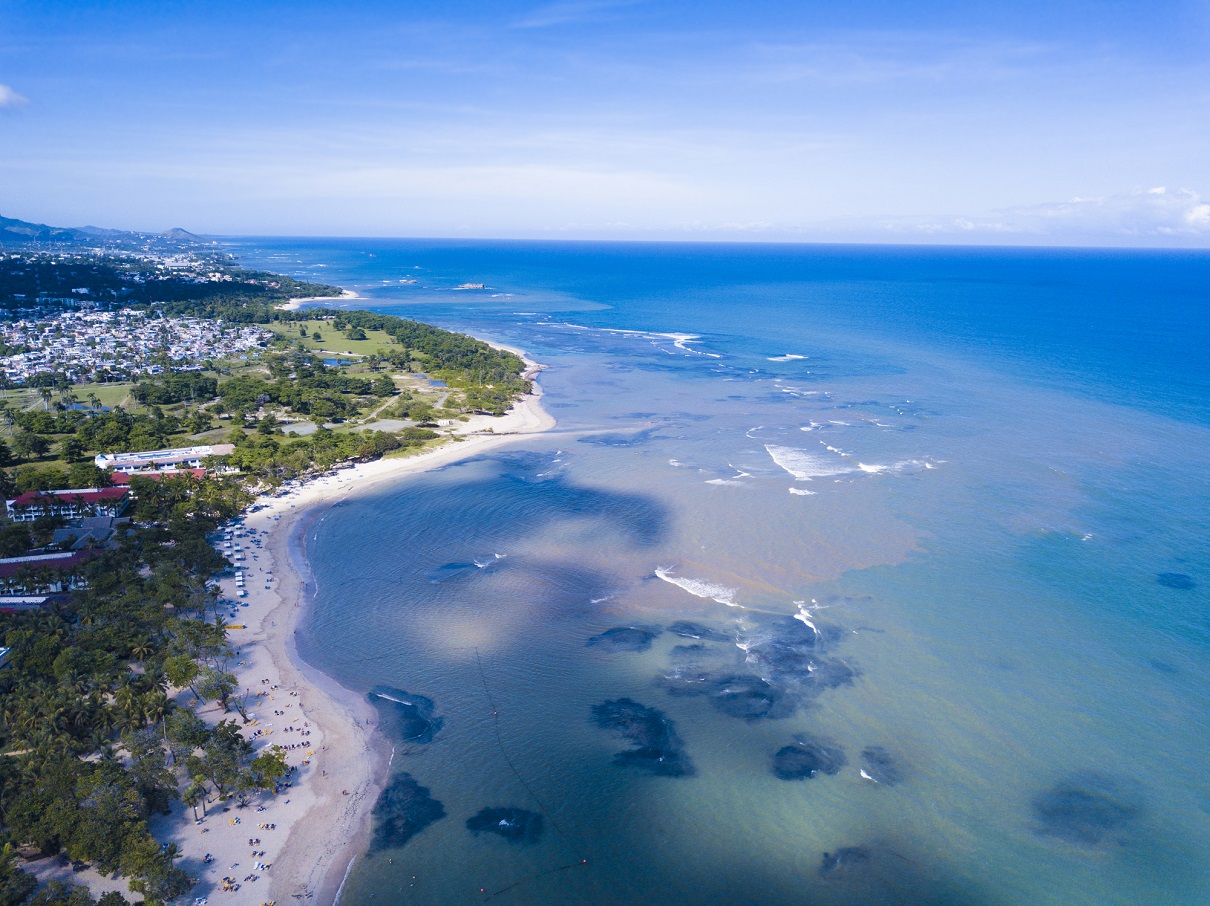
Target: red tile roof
14	565
90	495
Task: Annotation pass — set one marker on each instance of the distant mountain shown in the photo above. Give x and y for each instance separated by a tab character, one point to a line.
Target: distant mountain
23	234
180	235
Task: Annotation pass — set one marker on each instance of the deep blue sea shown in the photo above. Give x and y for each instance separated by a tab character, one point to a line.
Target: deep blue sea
850	575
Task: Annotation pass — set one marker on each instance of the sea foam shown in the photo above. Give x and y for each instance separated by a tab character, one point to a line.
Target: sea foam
699	587
802	465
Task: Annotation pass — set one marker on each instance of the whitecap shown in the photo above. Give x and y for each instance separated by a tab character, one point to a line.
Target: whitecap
802	492
904	466
804	615
803	465
699	588
788	357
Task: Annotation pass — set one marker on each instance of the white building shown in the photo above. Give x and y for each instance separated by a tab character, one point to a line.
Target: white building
160	460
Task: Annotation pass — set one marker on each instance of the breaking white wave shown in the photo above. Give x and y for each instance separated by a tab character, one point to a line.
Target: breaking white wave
699	587
676	463
788	357
803	465
903	467
802	492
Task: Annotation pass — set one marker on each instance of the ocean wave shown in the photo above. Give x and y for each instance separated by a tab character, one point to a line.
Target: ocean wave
804	615
802	492
699	588
802	465
680	341
903	467
788	357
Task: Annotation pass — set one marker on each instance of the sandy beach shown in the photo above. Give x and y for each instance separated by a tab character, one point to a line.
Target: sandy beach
300	843
295	304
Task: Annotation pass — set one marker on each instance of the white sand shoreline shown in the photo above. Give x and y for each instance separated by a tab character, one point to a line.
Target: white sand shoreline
321	824
295	304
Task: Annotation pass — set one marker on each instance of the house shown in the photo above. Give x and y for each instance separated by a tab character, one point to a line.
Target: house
4	656
160	460
70	503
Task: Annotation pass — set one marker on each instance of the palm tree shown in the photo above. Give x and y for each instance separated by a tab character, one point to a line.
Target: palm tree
141	650
192	796
46	393
200	782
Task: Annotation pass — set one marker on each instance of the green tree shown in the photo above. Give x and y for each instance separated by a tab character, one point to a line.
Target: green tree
181	671
30	446
216	685
15	884
268	768
71	448
56	893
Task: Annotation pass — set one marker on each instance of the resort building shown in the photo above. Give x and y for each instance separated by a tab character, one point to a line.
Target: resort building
123	478
71	503
161	460
43	574
22	603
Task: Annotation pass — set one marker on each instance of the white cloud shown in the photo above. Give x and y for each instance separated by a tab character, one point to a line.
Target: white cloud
10	98
1154	216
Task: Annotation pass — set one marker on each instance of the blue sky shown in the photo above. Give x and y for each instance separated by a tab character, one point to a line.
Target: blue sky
1026	122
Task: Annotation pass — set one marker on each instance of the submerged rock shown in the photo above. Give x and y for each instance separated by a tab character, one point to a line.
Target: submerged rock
688	630
806	758
623	638
1181	581
880	766
846	861
690	654
1085	810
404	809
516	825
746	697
741	695
656	747
405	716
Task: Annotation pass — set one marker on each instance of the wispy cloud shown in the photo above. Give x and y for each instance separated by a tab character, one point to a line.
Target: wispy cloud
10	99
571	12
1155	216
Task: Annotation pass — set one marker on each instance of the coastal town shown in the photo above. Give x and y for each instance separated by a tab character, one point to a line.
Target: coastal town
121	345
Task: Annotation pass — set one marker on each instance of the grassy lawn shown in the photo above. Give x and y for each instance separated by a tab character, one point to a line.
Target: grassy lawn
376	341
110	395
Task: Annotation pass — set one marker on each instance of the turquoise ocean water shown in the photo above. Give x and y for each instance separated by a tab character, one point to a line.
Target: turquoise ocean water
939	520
